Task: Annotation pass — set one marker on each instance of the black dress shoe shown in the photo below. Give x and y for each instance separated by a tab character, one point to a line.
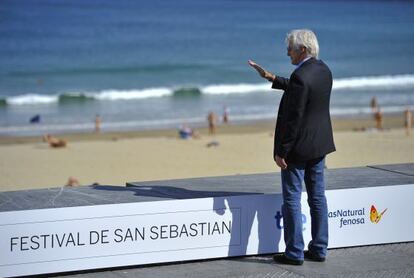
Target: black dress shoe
309	256
282	259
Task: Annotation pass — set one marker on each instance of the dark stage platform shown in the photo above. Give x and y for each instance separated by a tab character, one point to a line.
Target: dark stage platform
269	183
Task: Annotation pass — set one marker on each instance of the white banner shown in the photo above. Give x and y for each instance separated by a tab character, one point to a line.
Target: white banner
101	236
374	215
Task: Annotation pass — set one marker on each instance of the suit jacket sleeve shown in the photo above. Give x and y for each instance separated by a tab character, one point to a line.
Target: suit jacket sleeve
280	83
296	98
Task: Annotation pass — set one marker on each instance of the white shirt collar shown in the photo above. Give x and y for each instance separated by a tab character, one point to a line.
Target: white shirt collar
303	61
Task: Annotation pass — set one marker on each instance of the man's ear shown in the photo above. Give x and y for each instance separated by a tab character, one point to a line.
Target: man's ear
303	49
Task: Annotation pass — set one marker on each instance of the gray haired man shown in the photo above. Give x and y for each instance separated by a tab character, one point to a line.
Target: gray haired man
303	137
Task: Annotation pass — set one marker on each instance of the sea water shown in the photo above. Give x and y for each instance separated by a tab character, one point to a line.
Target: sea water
153	64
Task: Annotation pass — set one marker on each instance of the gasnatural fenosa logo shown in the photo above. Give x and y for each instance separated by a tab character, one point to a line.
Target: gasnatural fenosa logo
374	216
348	217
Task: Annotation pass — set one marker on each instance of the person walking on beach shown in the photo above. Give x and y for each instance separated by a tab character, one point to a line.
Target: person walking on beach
378	116
212	122
97	123
408	117
303	137
225	115
374	104
377	113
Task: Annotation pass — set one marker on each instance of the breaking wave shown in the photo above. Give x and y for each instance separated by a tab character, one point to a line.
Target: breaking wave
386	82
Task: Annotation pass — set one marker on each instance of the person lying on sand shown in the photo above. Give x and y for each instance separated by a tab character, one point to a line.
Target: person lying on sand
54	142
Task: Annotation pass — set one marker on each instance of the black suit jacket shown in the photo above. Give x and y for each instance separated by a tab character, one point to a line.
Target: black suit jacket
303	128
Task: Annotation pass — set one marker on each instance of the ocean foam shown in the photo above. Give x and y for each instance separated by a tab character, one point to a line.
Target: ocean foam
133	94
235	88
32	99
375	82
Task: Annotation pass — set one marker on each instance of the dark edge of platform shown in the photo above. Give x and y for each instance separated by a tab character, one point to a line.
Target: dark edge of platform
395	168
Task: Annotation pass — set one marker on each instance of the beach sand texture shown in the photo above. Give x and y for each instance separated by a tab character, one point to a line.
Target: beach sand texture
114	159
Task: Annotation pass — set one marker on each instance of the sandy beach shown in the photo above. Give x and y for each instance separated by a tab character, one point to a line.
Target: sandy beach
116	158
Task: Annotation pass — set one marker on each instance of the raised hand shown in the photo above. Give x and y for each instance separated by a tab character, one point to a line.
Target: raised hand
263	73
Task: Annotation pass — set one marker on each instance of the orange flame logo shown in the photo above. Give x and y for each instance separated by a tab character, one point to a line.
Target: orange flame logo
374	216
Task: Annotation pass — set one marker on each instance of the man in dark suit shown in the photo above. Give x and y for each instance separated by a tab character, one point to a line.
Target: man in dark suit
303	137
